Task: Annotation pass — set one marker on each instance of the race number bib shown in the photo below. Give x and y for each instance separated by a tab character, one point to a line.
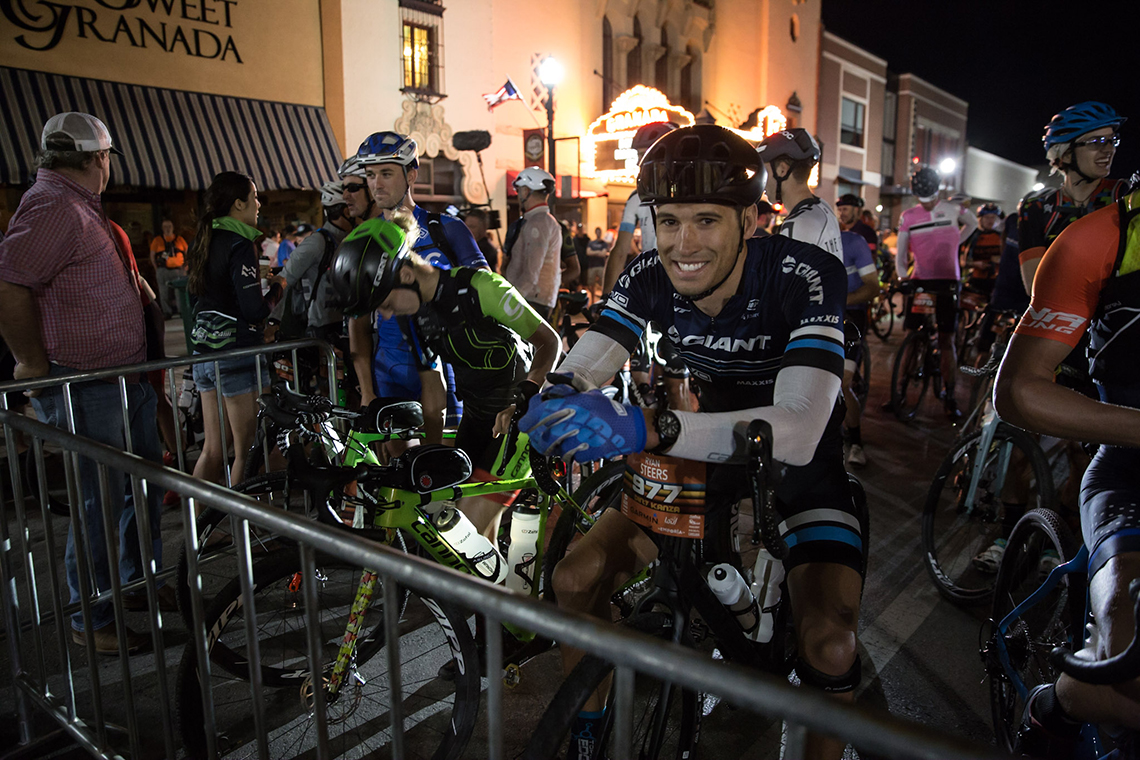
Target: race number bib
665	494
923	303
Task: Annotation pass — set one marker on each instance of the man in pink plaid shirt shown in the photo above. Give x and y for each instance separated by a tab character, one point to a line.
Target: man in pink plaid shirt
69	301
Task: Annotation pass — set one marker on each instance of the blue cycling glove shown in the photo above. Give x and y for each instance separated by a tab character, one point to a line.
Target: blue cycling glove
583	426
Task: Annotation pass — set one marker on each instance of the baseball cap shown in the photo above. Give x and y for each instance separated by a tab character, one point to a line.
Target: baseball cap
75	131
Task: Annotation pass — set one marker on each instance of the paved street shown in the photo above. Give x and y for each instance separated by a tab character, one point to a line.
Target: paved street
919	652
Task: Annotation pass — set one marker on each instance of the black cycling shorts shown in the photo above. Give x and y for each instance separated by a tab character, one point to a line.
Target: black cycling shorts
945	294
818	517
1110	505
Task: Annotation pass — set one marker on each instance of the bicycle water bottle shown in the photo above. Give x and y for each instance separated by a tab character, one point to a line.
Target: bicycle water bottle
732	591
767	575
521	554
458	531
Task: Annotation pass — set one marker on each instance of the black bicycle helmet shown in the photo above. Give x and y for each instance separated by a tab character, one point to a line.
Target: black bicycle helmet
795	144
648	134
701	164
924	183
363	271
989	208
850	199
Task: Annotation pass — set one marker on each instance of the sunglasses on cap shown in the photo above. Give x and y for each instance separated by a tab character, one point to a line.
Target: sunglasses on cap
353	187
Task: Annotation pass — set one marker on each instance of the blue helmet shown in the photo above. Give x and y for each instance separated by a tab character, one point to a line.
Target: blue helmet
1078	120
388	148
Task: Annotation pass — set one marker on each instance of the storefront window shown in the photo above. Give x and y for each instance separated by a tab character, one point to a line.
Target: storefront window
851	125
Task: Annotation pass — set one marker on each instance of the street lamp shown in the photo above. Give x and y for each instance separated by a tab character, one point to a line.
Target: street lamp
947	166
550	74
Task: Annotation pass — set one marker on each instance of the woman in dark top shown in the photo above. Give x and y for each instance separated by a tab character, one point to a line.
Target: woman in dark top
230	312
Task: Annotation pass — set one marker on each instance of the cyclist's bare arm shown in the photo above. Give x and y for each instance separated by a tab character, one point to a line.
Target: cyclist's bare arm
902	249
866	292
433	399
616	261
1026	396
360	351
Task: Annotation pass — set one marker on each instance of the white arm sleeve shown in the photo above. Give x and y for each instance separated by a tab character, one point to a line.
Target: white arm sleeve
803	402
900	253
594	358
969	223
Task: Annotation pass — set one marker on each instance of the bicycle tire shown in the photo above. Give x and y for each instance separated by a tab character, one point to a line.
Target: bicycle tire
551	734
446	710
909	384
1056	620
597	493
950	537
883	311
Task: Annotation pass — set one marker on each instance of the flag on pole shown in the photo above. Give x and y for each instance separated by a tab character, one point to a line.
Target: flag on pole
507	92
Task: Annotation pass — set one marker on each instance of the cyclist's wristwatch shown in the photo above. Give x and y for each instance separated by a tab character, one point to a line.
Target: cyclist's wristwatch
668	429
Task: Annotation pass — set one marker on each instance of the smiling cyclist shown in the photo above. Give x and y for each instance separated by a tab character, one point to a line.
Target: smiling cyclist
759	323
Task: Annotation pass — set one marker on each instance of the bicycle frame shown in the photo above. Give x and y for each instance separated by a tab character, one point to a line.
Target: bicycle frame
989	428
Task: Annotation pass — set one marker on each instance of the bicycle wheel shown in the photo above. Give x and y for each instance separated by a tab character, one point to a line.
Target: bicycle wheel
682	708
883	318
1056	620
215	542
910	376
955	530
599	492
439	715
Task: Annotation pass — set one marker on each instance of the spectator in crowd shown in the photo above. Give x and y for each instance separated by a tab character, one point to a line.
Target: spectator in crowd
225	279
166	255
476	221
764	214
287	244
535	247
851	219
70	301
270	244
303	231
581	241
597	252
572	270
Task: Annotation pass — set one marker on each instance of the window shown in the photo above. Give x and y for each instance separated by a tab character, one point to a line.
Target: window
687	75
439	179
661	71
633	58
890	116
608	93
794	27
421	47
851	123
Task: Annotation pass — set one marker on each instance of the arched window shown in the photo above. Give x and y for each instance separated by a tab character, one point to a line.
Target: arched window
633	58
661	72
690	95
608	93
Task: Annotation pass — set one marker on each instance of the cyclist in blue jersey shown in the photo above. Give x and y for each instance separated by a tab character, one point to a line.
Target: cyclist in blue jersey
759	323
391	167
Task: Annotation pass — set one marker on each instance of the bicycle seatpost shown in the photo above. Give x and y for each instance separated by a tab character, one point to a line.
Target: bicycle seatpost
762	477
1119	668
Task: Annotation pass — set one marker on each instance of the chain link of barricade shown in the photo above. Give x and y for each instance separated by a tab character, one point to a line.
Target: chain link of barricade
48	677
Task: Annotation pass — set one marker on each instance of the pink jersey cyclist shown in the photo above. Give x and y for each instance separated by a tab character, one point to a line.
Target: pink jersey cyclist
933	237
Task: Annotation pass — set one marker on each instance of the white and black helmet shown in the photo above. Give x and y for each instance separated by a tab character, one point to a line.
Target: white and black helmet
351	168
332	194
535	179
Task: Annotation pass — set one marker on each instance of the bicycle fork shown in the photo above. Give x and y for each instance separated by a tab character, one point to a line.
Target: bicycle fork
989	431
348	644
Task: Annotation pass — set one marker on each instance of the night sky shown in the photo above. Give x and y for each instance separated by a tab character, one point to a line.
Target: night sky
1015	62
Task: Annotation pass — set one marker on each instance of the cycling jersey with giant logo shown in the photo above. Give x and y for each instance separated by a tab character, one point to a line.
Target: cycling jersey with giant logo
932	237
813	221
1045	214
635	215
787	312
1090	279
394	368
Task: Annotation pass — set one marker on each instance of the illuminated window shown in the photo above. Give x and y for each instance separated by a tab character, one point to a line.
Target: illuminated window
421	47
851	123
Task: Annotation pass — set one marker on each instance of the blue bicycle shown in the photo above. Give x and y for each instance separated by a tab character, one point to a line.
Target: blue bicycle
1040	619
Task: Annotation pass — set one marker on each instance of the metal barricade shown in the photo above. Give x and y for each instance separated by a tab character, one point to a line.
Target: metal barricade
123	389
54	692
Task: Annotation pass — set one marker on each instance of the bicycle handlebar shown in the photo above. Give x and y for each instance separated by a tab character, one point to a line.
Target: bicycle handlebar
762	477
1119	668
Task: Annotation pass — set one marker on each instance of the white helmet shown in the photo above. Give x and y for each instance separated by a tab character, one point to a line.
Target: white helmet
332	194
535	179
351	168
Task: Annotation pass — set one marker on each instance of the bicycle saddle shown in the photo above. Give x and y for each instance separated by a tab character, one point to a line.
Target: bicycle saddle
390	416
573	301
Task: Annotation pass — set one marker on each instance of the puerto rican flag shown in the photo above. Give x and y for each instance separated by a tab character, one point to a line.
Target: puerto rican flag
507	92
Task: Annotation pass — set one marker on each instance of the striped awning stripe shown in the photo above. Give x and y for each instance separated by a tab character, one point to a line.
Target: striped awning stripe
170	138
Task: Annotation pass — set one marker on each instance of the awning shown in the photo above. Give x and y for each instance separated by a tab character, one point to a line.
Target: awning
169	138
